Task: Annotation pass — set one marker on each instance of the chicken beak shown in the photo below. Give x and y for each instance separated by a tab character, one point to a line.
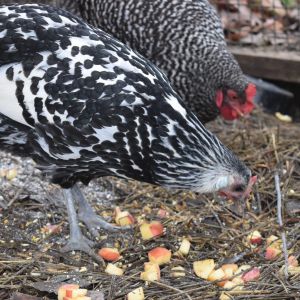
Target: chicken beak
240	201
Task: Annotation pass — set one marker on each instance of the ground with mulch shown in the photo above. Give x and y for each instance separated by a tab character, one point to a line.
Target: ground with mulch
31	262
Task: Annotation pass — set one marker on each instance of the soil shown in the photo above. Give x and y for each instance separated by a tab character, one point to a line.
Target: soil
31	261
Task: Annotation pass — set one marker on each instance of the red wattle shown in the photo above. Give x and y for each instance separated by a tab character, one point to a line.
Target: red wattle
228	113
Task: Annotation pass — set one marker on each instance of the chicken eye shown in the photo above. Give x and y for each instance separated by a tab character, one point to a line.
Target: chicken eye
239	188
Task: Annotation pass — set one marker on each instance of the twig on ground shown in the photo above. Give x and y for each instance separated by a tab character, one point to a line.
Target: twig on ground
275	147
280	222
173	289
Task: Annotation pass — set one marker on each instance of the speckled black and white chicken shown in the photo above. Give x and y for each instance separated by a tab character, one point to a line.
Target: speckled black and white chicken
184	38
83	105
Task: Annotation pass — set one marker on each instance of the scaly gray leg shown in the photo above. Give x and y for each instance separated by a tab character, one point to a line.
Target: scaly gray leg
87	215
77	241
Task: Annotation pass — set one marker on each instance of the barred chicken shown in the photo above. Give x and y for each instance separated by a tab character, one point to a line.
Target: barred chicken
184	38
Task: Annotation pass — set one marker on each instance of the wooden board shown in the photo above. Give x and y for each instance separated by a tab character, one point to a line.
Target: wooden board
283	66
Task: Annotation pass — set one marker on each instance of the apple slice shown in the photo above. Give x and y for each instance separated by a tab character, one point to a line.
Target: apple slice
178	272
152	272
203	268
216	275
229	269
274	241
272	253
294	270
251	275
229	285
109	254
66	290
113	270
159	255
254	238
184	247
292	261
123	218
137	294
151	230
150	267
150	276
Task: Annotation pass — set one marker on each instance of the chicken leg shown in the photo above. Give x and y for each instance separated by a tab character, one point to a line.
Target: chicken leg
77	241
87	215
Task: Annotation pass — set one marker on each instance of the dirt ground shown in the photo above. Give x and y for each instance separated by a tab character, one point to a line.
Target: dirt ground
31	261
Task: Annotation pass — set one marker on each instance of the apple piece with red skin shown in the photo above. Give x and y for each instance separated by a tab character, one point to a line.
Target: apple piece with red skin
109	254
66	290
274	248
251	275
159	255
292	261
254	238
272	253
151	230
70	291
123	218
